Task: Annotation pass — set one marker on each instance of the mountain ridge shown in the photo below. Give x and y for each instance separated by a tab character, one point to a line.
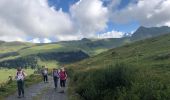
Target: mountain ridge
91	47
149	32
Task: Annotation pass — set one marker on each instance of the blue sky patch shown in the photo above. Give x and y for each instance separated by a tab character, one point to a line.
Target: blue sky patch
64	4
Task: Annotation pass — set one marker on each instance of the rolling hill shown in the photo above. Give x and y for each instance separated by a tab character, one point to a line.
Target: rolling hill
13	52
136	71
19	51
145	32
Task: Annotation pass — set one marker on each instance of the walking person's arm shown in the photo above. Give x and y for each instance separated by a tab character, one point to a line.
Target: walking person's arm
66	75
24	74
16	76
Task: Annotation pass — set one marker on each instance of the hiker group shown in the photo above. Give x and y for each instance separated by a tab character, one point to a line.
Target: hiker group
59	76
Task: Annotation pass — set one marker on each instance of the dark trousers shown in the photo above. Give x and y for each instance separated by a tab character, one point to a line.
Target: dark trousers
55	81
62	83
20	84
45	78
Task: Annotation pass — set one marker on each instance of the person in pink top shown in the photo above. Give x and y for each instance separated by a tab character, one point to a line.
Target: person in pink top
63	78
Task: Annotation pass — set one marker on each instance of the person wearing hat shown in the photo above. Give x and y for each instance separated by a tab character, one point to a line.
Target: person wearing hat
20	76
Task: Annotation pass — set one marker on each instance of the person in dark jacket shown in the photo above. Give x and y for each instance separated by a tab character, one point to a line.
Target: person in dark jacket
55	75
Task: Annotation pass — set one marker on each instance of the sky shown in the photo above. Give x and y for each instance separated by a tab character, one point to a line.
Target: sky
45	21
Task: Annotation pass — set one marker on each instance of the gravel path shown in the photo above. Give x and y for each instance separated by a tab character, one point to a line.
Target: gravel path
41	91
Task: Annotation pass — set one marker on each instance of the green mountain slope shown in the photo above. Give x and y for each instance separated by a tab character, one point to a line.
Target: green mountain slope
13	46
90	46
12	51
145	50
18	50
144	32
136	71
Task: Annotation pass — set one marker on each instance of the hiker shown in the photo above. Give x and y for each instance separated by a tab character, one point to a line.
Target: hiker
55	75
45	74
20	76
63	77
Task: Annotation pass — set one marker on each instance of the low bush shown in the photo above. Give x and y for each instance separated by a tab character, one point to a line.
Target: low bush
120	82
98	84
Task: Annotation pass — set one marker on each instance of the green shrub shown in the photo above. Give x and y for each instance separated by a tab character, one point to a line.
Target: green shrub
120	82
98	84
147	86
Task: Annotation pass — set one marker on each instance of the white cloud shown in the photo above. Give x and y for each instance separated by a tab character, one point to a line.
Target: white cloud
22	19
46	40
40	40
111	34
90	16
11	38
32	18
146	12
35	40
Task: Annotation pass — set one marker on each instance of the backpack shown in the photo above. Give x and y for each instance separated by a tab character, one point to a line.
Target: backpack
55	74
22	73
45	72
63	75
20	76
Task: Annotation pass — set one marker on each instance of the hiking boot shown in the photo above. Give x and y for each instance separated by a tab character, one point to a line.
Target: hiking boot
62	91
19	97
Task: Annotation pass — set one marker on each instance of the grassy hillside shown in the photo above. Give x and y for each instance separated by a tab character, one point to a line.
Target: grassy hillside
91	47
136	71
12	50
13	46
14	54
145	32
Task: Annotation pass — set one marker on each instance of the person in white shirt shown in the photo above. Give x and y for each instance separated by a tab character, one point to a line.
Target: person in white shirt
20	76
45	74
